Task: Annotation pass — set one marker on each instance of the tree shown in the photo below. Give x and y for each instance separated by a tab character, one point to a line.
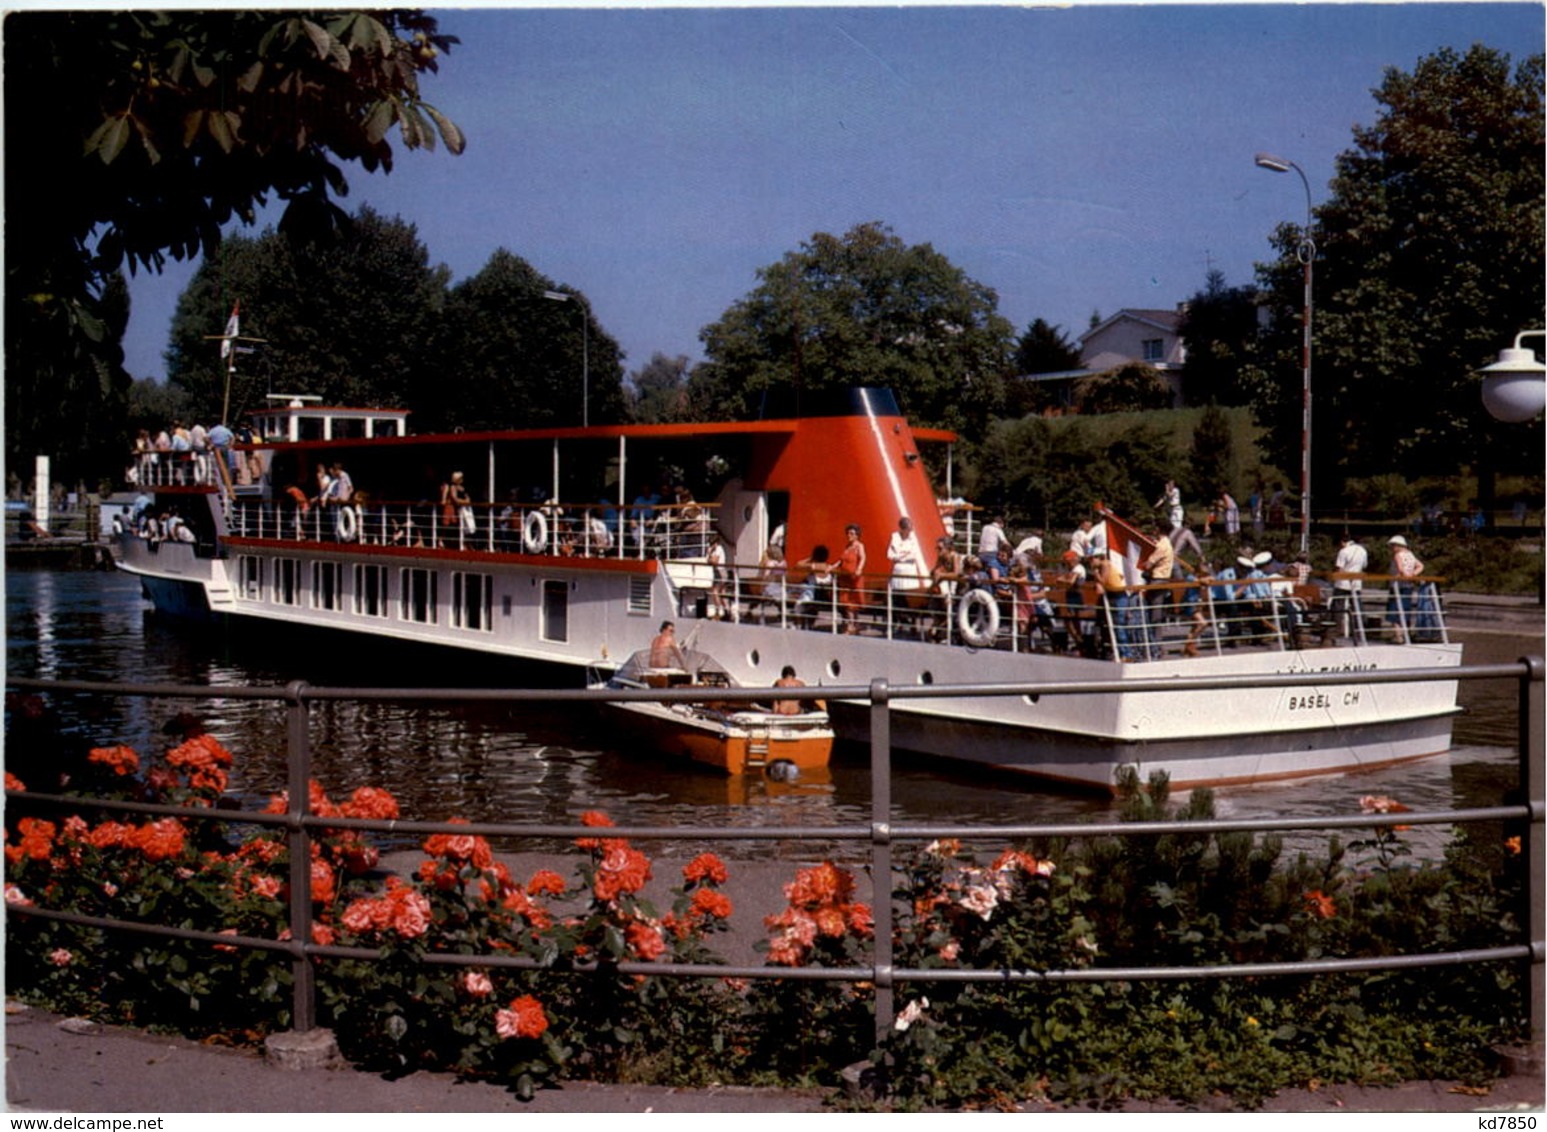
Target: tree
657	393
1131	388
1045	349
1213	457
1219	331
142	133
1429	261
513	357
862	309
353	317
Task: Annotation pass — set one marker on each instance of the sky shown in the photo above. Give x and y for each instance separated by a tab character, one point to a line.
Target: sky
1077	160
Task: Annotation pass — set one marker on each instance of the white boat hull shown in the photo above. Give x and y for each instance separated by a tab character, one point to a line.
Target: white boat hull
1199	738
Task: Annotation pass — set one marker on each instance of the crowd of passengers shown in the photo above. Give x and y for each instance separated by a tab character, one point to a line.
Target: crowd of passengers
191	455
1081	598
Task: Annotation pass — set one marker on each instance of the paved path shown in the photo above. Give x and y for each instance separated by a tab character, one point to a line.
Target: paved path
66	1065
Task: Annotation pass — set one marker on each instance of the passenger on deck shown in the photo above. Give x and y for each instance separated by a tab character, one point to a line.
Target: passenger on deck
1114	593
1080	540
1160	565
1352	558
456	507
788	679
943	580
906	557
664	650
769	587
720	579
851	579
814	592
1193	605
991	539
1072	578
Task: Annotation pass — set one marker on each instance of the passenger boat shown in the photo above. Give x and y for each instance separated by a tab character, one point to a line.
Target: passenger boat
552	545
737	738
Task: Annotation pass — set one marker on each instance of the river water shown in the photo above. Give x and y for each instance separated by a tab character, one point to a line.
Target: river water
517	763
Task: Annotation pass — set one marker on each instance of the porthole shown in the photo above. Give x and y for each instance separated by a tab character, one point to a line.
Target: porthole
834	669
1033	698
754	659
926	677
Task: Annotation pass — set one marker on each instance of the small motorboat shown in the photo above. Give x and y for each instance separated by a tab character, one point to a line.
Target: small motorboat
737	738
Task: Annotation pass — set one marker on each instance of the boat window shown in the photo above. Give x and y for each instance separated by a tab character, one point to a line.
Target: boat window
371	590
327	585
555	626
417	589
472	601
249	570
639	590
287	581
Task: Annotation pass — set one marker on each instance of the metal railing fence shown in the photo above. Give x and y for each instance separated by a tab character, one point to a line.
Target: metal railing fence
882	833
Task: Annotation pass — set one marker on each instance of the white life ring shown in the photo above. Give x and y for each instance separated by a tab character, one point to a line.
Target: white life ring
200	468
979	629
534	532
347	524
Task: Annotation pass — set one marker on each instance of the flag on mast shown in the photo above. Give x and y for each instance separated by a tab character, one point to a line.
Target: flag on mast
232	330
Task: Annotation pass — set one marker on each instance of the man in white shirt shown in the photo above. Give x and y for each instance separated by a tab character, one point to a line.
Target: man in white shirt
1352	559
993	535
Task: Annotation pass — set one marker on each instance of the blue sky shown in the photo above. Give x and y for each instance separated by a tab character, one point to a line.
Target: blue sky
1078	159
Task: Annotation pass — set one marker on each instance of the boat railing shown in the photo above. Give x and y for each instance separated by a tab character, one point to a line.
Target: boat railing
1147	622
585	530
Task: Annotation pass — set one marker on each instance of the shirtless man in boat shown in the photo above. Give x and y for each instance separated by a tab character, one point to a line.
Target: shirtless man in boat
664	650
788	679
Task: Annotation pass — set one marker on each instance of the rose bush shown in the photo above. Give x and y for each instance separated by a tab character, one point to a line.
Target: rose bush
539	993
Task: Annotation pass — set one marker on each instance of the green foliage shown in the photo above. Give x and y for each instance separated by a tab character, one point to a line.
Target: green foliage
1219	329
353	317
142	134
1048	472
657	392
1429	262
1131	389
519	357
862	309
1064	908
1213	457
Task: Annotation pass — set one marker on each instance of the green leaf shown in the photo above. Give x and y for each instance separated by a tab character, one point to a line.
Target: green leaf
450	132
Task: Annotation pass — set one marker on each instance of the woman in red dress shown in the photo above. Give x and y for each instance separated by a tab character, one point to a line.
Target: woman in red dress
851	574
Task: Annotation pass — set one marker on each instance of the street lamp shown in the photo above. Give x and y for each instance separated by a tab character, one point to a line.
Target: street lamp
585	352
1515	386
1306	253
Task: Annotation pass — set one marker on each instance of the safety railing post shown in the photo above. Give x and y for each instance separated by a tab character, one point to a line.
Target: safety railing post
881	853
1533	777
298	841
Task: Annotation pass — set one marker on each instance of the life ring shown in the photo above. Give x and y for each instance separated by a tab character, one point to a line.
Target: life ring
534	532
200	468
978	629
347	524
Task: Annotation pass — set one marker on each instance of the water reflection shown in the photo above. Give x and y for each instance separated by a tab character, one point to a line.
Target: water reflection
548	763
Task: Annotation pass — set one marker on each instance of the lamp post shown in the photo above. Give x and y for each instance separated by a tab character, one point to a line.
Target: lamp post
1515	386
1306	253
585	352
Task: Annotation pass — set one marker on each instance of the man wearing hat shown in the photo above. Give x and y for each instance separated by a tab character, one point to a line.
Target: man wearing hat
1408	610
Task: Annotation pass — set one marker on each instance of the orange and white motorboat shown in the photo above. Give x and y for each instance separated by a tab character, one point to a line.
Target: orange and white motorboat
736	737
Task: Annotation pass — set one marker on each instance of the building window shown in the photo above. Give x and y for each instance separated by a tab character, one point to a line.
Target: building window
418	590
1154	349
555	611
249	573
371	590
328	585
472	601
287	581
